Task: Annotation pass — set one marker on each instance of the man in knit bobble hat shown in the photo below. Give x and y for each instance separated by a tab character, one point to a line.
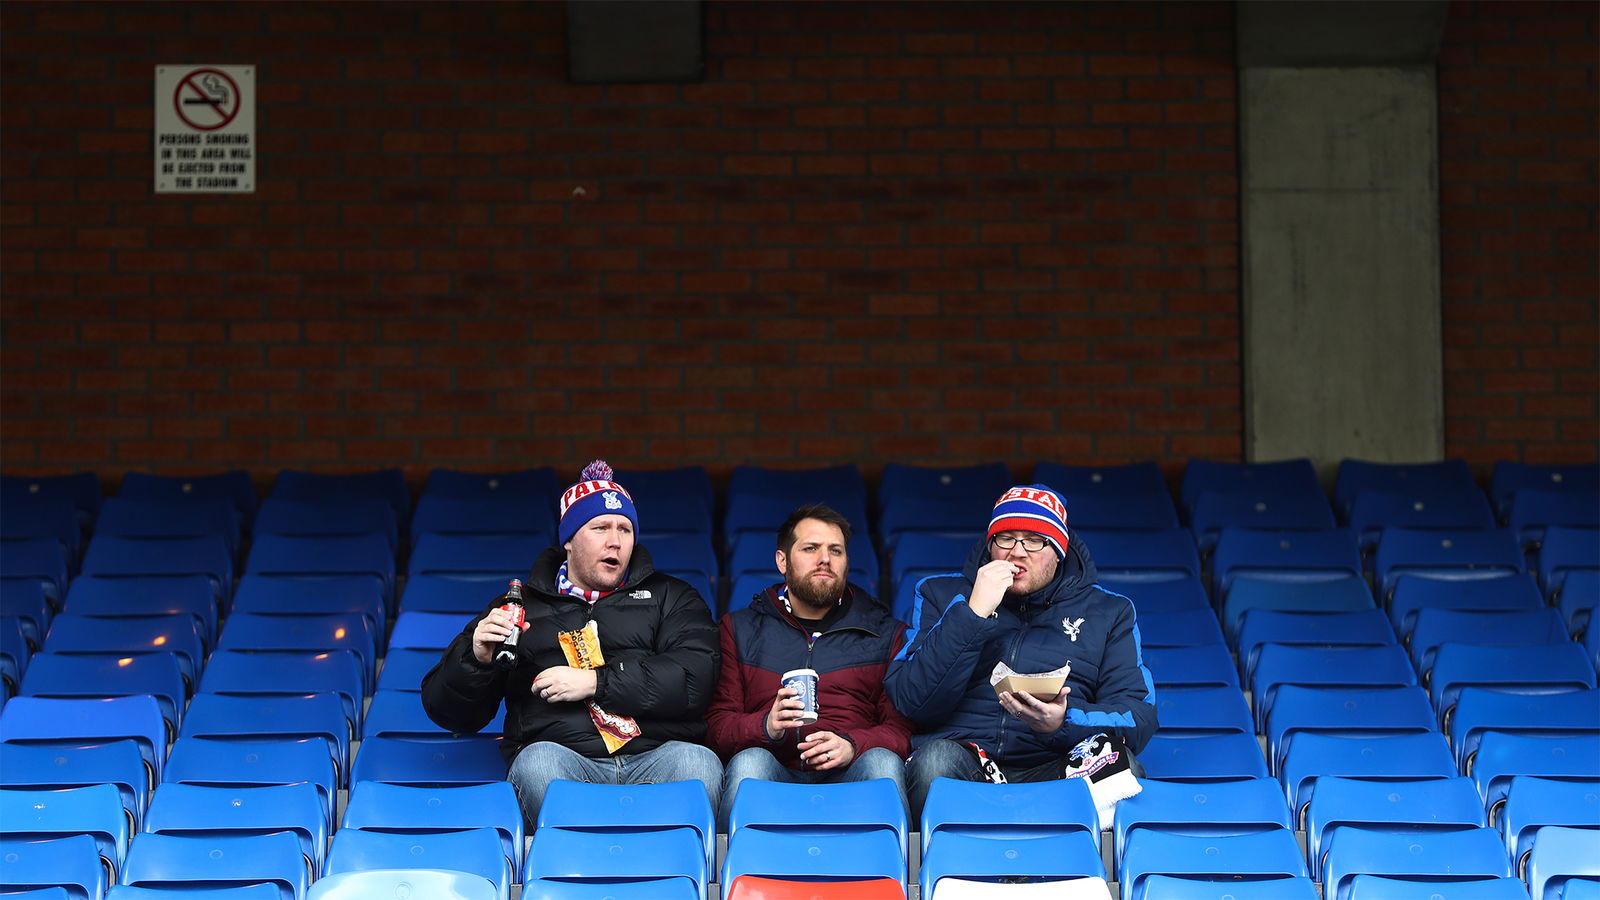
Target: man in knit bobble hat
613	668
1027	603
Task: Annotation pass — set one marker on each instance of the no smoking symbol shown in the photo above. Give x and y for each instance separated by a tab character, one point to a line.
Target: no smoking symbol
206	99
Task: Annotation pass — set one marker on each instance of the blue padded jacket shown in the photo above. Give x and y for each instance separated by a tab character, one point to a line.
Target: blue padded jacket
940	678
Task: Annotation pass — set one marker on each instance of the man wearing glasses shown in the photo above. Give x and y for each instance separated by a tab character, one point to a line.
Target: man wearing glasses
1027	598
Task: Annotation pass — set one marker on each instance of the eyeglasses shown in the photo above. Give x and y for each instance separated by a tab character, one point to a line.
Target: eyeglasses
1033	543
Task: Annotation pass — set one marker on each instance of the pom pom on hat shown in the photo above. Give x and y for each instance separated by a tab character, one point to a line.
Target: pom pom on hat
1035	508
595	494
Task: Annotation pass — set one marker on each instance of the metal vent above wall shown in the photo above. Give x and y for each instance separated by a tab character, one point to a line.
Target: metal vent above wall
634	41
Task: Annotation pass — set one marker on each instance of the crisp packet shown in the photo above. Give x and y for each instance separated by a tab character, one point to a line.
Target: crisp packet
582	649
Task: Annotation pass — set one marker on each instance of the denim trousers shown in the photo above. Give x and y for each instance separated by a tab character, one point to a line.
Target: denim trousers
541	763
757	762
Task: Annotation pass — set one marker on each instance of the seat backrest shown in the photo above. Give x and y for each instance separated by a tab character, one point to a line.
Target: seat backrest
1446	476
376	806
195	809
1070	856
207	555
45	767
440	593
1200	757
400	714
583	806
1278	665
258	716
109	675
1058	806
441	514
1425	804
1249	595
460	759
499	555
218	861
1459	854
1509	477
1356	711
76	721
568	854
95	810
1413	593
1537	669
186	518
1450	554
288	672
1533	803
1378	757
428	630
1143	555
328	517
235	487
1227	807
1488	627
1560	853
1503	755
147	595
474	850
435	884
1282	476
1376	510
71	862
1353	628
1293	556
1149	851
1482	709
384	484
82	488
250	762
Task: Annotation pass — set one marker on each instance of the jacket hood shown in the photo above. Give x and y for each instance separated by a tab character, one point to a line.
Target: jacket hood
1075	573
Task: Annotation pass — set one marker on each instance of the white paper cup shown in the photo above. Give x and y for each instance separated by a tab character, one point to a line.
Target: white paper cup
805	682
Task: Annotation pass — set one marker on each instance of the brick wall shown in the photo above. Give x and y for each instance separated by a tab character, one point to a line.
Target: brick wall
1518	139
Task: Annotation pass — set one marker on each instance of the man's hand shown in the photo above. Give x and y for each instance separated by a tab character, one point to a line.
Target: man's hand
564	684
990	586
824	750
492	630
784	714
1041	717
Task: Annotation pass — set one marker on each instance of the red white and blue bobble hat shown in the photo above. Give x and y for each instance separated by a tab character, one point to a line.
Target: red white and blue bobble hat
1035	508
595	494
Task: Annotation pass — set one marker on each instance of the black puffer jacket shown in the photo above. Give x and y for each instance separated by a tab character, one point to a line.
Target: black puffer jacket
660	645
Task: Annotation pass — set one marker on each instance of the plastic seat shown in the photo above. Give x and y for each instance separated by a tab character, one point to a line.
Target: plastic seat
39	560
1508	478
1502	756
263	716
475	851
568	855
118	764
814	855
1260	511
702	586
1540	669
331	517
1356	628
15	651
761	514
148	595
170	519
475	558
825	484
264	890
1206	665
312	558
686	491
754	887
1440	477
427	630
1534	512
680	552
745	588
1350	711
606	807
218	861
1407	807
1297	557
1174	595
383	484
1259	854
234	487
1386	757
542	482
400	714
327	633
250	763
1454	555
1279	665
1560	853
1169	887
212	810
855	829
913	514
1380	887
1464	854
1009	811
433	884
34	519
287	672
464	759
157	674
95	810
82	488
1479	710
75	722
1532	803
1207	709
481	516
286	595
1158	555
1283	476
177	635
1251	595
981	481
1198	757
403	669
407	809
439	593
921	553
1218	808
24	600
1374	511
1066	856
1413	593
1567	549
1502	628
1185	628
72	863
1108	512
208	556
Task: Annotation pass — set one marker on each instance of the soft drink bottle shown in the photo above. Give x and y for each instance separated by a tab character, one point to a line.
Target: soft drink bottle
506	656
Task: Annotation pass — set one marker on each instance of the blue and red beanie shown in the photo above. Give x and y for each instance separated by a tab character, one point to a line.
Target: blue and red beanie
1035	508
595	494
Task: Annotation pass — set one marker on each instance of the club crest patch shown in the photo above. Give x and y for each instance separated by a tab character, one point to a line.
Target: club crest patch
1071	628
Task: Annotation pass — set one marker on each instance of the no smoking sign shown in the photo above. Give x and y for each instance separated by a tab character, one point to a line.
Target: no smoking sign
205	129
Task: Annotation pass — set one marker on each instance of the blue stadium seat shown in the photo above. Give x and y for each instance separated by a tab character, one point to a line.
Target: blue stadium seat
266	716
1006	812
1281	665
1199	757
95	810
483	516
1251	596
1567	549
400	714
42	561
1296	557
1435	887
45	767
312	558
813	855
1509	478
1399	807
1258	854
475	850
169	519
440	593
288	672
428	630
382	484
408	809
919	554
978	482
759	499
1281	476
1358	628
328	633
746	587
677	553
218	861
1211	710
1488	627
403	669
1129	556
15	651
288	596
1577	597
71	862
82	488
542	483
850	830
208	556
1541	669
580	806
241	763
1532	803
96	675
150	595
475	557
434	884
234	487
676	500
328	517
1263	511
1455	555
54	519
919	515
176	634
1054	856
1170	887
1182	628
1480	710
1413	593
216	810
1354	712
1382	757
1218	808
1533	513
1204	665
1375	511
1109	512
1505	755
464	759
653	856
1561	855
1459	855
24	600
1441	477
79	722
1173	595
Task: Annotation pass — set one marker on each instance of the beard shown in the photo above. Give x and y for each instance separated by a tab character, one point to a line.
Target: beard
817	597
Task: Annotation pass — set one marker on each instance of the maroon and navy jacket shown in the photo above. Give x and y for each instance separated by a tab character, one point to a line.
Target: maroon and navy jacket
762	641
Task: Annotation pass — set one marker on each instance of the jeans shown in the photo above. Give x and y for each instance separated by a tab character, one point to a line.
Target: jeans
757	762
942	758
543	762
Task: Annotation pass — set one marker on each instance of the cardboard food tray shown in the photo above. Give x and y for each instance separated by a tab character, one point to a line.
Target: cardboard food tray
1044	689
